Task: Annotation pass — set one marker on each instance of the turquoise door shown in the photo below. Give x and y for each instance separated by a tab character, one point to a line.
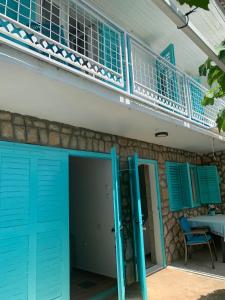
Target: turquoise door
118	228
34	239
137	225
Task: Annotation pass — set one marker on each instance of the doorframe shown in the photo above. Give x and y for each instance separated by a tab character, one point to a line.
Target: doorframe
116	200
154	163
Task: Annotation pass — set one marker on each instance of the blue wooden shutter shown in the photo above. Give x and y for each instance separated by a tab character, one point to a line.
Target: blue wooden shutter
166	76
174	186
34	239
179	185
196	201
209	184
185	185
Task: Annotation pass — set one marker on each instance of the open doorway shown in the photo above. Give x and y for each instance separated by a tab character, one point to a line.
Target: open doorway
151	219
92	238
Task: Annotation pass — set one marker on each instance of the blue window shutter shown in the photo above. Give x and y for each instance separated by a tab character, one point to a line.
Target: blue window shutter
169	54
179	185
186	185
209	184
196	201
166	76
174	186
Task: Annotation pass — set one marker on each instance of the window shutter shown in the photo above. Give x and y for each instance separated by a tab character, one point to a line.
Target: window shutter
179	185
174	186
194	186
209	184
186	185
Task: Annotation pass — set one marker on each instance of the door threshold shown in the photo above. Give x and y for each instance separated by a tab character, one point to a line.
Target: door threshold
153	270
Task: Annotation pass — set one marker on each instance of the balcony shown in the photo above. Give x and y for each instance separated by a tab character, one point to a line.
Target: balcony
75	37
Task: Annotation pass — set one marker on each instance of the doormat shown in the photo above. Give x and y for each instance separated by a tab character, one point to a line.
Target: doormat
87	284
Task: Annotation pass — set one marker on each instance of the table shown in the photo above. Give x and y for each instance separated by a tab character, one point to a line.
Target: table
215	223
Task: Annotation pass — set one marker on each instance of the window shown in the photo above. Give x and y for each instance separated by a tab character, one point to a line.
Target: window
190	185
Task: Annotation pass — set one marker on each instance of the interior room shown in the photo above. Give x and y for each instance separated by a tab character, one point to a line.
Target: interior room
151	222
92	238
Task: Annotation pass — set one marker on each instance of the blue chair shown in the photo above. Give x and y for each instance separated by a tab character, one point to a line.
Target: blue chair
195	237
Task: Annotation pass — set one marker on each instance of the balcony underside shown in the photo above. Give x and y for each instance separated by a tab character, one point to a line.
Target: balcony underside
32	87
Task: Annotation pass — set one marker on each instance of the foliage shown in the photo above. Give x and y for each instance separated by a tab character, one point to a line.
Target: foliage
216	81
215	76
197	3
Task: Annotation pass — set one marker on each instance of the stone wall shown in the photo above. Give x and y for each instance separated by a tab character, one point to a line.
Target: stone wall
25	129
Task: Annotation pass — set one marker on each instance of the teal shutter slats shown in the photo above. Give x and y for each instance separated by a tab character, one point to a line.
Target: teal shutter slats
169	54
166	76
185	185
137	225
179	185
209	184
34	239
195	185
174	186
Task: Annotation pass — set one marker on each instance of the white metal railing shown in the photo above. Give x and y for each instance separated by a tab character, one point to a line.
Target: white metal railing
69	31
163	84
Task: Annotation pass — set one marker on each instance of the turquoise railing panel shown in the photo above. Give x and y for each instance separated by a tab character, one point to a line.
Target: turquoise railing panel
209	184
196	95
22	11
109	48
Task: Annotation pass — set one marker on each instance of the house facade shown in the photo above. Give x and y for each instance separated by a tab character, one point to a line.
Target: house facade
104	144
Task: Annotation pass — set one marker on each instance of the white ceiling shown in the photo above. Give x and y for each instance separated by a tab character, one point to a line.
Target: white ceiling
145	20
32	87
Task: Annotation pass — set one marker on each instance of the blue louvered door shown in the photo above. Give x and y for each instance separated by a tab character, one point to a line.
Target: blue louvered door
209	184
137	225
34	254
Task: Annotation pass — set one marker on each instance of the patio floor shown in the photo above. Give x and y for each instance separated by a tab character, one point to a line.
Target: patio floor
200	262
172	283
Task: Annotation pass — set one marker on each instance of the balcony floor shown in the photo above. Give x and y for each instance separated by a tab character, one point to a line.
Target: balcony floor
30	86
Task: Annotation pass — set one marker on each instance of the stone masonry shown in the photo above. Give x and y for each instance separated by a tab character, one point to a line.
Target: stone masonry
26	129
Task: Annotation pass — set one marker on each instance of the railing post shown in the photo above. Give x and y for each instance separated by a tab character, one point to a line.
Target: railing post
188	97
127	62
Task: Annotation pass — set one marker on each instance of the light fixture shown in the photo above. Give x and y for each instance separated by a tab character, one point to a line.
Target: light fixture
161	134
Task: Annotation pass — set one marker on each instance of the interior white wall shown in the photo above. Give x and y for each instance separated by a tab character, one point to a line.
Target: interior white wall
91	216
156	218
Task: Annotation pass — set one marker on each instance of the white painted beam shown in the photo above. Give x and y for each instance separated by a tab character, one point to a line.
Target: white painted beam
190	30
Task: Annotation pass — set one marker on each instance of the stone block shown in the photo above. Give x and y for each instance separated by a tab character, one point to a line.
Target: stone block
7	130
5	116
43	135
20	133
32	135
54	138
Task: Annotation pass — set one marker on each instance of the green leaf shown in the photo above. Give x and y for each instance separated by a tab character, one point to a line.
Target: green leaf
221	81
207	101
205	67
214	74
198	3
220	121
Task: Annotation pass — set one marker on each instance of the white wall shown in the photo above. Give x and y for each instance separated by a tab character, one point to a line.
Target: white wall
91	216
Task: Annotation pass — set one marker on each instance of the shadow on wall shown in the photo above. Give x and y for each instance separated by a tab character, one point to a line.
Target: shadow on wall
216	295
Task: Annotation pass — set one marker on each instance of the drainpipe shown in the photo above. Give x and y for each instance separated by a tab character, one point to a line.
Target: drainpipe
175	15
